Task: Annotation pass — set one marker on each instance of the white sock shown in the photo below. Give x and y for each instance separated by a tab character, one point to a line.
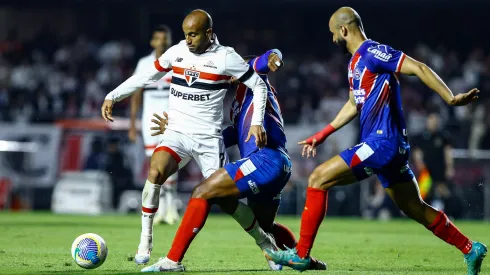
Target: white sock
170	193
149	198
246	218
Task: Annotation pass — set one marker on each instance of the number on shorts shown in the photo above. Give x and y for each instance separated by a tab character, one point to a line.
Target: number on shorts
221	159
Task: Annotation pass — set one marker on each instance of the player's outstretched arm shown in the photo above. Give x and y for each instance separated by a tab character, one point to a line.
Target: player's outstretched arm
139	80
346	115
412	67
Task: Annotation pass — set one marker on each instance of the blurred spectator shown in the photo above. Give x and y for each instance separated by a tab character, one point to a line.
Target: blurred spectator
432	150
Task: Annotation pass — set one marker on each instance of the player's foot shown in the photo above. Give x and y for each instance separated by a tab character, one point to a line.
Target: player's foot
270	244
289	258
475	258
165	265
144	250
317	265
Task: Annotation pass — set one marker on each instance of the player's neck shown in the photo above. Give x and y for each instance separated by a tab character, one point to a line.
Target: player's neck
356	42
158	53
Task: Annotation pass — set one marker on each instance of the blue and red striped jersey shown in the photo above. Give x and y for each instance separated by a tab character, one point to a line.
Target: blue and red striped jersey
376	89
242	109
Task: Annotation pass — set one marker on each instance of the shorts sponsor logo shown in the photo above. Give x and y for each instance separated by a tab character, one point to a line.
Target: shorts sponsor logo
253	187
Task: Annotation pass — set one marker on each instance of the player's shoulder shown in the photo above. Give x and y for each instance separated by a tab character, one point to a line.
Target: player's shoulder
374	49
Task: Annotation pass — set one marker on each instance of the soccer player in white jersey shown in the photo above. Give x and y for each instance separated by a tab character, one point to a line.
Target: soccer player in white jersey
155	100
201	69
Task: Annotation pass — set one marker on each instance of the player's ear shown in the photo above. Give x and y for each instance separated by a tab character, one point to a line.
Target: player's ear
209	34
343	31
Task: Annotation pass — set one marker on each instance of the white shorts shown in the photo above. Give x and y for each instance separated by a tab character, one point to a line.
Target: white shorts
209	152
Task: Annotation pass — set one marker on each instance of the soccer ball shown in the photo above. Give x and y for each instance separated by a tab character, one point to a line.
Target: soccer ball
89	251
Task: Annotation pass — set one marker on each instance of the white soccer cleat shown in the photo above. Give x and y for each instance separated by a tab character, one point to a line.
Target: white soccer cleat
143	253
165	265
270	244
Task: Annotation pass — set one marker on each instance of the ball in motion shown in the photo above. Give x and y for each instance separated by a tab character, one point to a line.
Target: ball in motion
89	251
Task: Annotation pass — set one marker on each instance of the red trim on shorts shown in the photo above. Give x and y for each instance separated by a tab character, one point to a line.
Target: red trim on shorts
170	151
355	161
150	147
149	210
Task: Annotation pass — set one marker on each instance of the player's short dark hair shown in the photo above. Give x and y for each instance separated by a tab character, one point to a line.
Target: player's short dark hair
249	57
162	28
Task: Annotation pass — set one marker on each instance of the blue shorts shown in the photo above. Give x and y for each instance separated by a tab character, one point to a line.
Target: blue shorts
262	176
385	158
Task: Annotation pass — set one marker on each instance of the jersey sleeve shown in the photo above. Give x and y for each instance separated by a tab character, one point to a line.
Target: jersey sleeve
383	58
145	77
260	64
237	67
230	136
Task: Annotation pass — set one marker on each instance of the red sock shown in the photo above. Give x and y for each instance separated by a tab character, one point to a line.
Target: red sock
193	220
313	215
283	236
443	228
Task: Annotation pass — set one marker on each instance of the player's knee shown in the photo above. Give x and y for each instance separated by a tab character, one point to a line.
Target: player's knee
201	192
316	180
154	175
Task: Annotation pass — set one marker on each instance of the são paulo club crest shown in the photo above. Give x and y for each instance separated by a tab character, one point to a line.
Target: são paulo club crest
191	76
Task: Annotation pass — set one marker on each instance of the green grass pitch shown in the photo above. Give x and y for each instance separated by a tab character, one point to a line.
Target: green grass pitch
39	243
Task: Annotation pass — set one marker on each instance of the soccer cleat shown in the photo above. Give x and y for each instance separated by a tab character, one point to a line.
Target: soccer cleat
165	265
144	251
475	258
317	265
270	244
289	258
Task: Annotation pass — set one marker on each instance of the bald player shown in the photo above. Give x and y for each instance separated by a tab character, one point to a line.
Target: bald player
201	71
384	149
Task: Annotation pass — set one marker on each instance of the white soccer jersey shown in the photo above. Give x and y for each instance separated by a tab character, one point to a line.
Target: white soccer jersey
198	86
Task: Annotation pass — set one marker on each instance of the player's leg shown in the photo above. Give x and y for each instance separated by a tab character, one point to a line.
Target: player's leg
407	196
331	173
218	185
266	212
164	162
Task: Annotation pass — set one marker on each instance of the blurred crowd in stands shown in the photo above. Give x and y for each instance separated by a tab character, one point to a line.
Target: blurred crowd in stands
49	78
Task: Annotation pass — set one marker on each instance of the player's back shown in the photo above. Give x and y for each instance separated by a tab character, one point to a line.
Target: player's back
241	116
376	89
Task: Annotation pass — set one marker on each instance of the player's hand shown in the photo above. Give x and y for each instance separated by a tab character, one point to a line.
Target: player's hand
106	110
308	148
465	98
274	62
161	123
132	134
260	135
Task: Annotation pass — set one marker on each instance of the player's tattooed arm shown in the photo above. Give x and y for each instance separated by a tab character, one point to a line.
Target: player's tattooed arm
411	66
